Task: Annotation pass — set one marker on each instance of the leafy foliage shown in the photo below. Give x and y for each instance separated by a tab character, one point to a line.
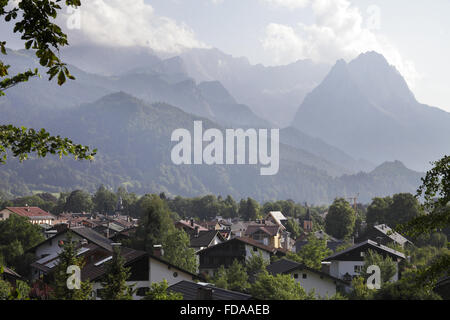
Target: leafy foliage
234	278
68	257
387	266
158	291
17	235
177	250
314	252
23	141
340	219
45	37
114	282
279	287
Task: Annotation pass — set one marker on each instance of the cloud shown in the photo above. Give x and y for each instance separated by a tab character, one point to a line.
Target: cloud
290	4
339	32
127	23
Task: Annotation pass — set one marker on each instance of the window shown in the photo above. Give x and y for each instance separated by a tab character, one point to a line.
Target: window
295	275
357	269
362	254
255	249
305	276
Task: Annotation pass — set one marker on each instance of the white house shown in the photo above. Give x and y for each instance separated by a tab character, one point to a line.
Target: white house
34	214
348	263
97	251
323	284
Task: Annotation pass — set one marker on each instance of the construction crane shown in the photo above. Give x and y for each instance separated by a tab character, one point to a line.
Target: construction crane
355	201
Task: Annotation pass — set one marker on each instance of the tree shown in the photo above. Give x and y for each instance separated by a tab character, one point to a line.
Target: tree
17	235
294	228
68	257
378	210
255	265
220	278
129	201
45	38
407	288
234	278
403	208
115	279
249	209
79	201
5	290
360	291
435	189
105	201
158	291
237	277
154	223
314	252
177	250
279	287
387	266
340	219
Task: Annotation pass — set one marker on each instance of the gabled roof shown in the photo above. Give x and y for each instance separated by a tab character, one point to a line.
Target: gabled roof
271	230
277	216
189	291
394	236
93	270
86	233
205	238
31	212
10	272
364	246
284	266
188	225
194	276
244	240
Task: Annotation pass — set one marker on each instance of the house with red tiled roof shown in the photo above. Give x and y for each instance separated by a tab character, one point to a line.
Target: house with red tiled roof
268	234
190	227
35	214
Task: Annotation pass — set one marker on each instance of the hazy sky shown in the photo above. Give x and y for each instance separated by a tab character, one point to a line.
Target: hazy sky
412	34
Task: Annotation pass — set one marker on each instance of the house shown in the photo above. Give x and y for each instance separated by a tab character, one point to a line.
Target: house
310	279
48	250
384	234
190	227
96	250
332	243
277	217
35	214
267	234
348	263
238	229
240	248
206	291
206	239
9	275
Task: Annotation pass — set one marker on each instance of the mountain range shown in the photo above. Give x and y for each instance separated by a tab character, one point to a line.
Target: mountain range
328	150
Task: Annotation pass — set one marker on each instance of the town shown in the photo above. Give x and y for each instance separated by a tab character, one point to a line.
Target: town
207	248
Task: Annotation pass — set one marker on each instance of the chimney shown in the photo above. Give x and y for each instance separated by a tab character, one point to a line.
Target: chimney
205	293
107	230
197	231
158	250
